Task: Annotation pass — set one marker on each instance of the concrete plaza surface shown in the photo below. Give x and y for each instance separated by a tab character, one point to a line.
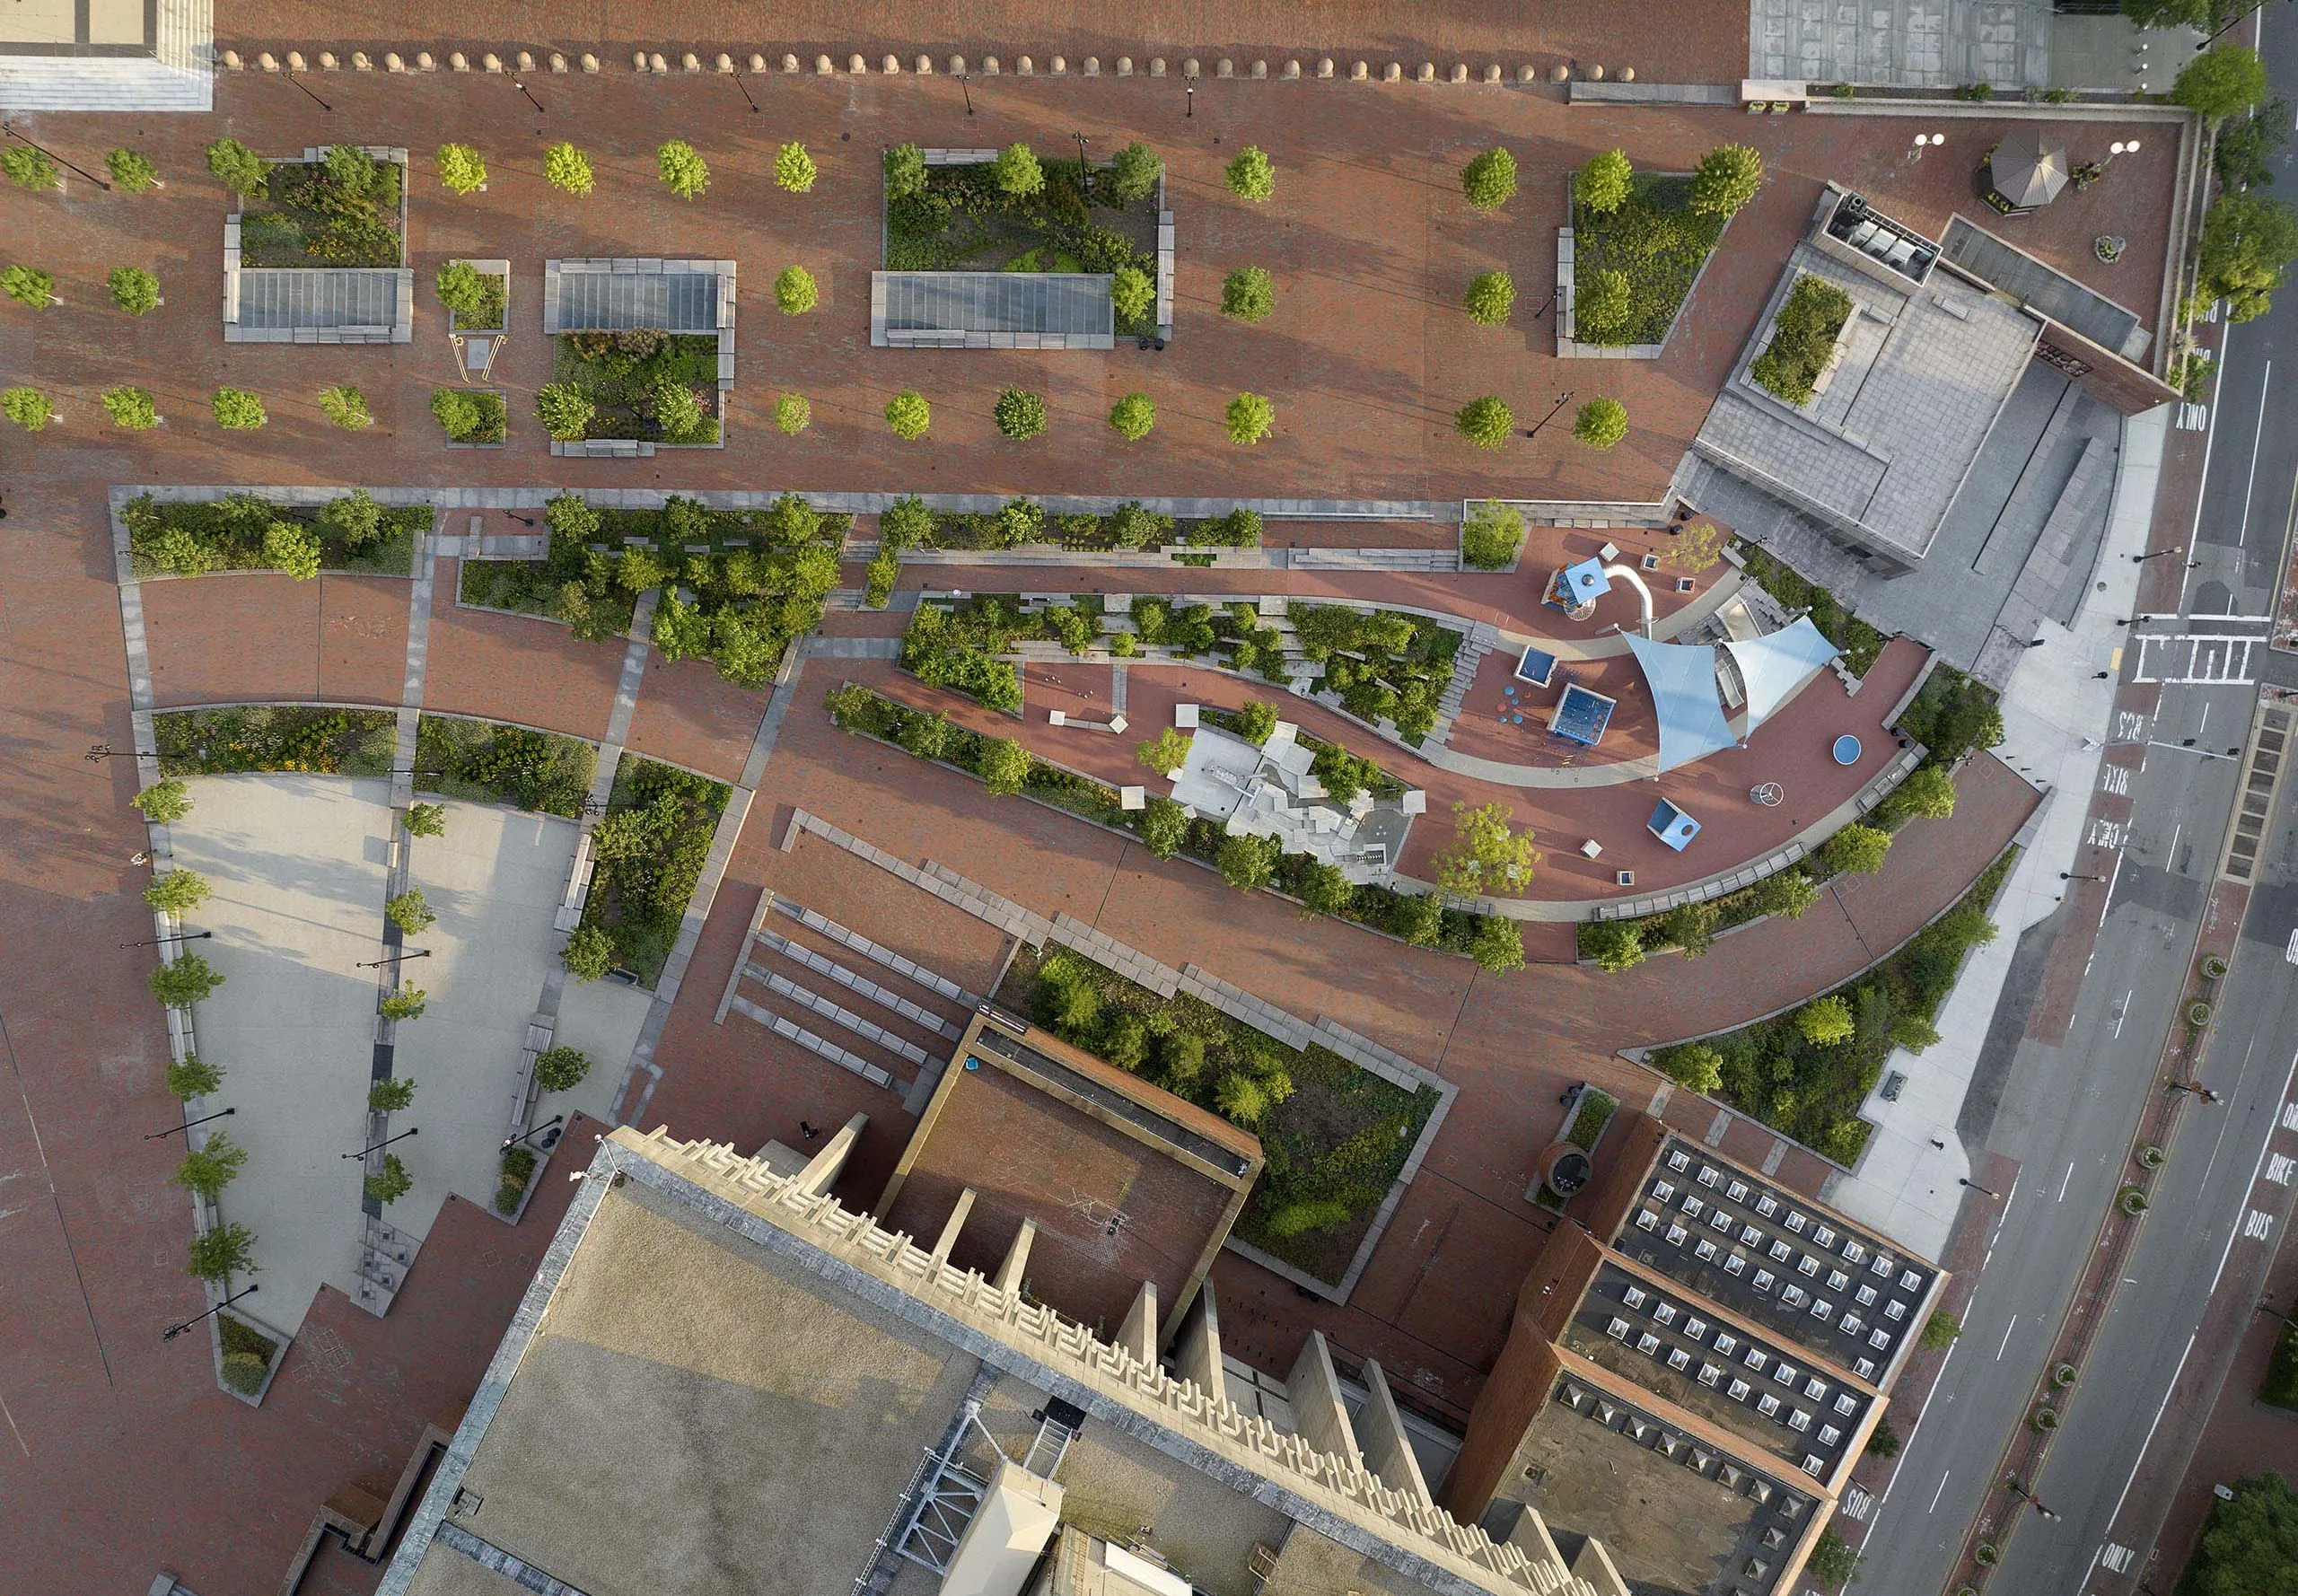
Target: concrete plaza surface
495	879
297	865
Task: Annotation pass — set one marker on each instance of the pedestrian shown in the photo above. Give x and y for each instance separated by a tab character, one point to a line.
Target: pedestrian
139	858
806	1133
1935	1142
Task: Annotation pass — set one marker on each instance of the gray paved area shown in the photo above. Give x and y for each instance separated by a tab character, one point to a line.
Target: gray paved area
1915	42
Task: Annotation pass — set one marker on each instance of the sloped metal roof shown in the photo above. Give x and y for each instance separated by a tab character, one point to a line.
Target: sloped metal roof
332	296
618	302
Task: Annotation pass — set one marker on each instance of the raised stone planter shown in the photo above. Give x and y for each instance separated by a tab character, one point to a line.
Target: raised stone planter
1568	347
503	442
243	1322
559	316
320	304
476	347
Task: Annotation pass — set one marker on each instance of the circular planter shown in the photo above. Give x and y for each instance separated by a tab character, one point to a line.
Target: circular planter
2044	1419
2062	1376
2131	1200
1986	1553
1565	1169
1966	1591
2151	1157
2214	968
2197	1012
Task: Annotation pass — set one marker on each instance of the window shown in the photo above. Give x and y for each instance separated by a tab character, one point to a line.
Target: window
1709	1174
1895	1310
1762	1282
1853	1252
1815	1465
1795	1222
1634	1296
1646	1220
1780	1250
1864	1368
1757	1358
1678	1359
1910	1281
1766	1205
1737	1191
1846	1404
1738	1389
1726	1344
1880	1340
1767	1405
1830	1435
1676	1234
1693	1207
1797	1419
1866	1296
1695	1327
1648	1344
1822	1309
1823	1237
1736	1263
1852	1324
1785	1374
1616	1329
1680	1160
1807	1265
1837	1280
1794	1296
1709	1374
1665	1312
1661	1192
1721	1219
1882	1265
1815	1387
1705	1251
1750	1236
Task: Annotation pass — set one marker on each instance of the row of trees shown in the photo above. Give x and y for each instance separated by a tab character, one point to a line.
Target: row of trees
29	168
235	410
132	288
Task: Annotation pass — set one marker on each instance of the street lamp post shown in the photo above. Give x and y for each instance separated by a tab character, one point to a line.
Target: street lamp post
2172	1083
394	959
386	1141
2069	875
174	1331
314	99
178	1129
511	1142
104	750
1923	140
183	936
2140	559
1083	167
2012	1483
1975	1186
2230	23
523	89
1562	399
1191	111
967	89
745	88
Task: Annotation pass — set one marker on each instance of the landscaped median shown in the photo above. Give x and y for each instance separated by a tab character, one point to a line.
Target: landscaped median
351	534
649	848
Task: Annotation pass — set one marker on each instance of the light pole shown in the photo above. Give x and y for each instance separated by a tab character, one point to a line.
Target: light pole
1082	168
1922	140
2230	22
1562	399
2172	1083
2068	875
394	959
2127	146
9	130
538	104
178	1129
2011	1483
184	936
314	99
1191	111
174	1331
104	750
511	1142
1975	1186
967	89
386	1141
2140	559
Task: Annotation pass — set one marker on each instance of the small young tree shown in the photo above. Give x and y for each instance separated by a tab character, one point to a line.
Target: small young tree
1600	423
908	414
1826	1021
1164	827
794	291
1167	753
1857	850
467	290
425	819
1614	944
1488	421
238	409
1498	944
589	953
1132	416
237	167
1004	766
192	1076
905	171
1131	296
1832	1561
565	410
133	289
456	412
409	912
568	170
392	1182
1940	1330
460	169
389	1095
289	546
131	171
1486	858
1492	536
346	407
221	1253
206	1170
1250	176
561	1069
164	801
794	169
1134	171
28	407
1695	1068
29	286
1247	863
1248	294
1603	185
2224	81
1020	414
131	409
27	168
1489	299
1727	177
186	980
1785	894
1927	793
178	892
1250	417
406	1004
354	517
1256	721
791	415
1017	171
1489	180
683	172
1695	548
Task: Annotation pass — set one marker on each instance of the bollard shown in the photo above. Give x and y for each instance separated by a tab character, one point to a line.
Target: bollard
1559	73
925	66
295	61
326	60
855	64
789	63
391	62
1358	72
1492	72
1528	73
1394	74
1125	66
1324	67
725	63
757	62
1189	68
526	61
1596	73
456	61
655	62
1260	69
1459	72
691	62
957	65
231	62
1060	65
491	61
894	65
989	66
267	62
1093	67
1156	66
823	67
1427	73
1292	70
590	62
558	61
1628	74
1225	68
1023	67
424	63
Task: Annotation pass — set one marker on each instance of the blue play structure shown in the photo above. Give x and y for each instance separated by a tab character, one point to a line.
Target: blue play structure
1671	825
1537	667
1575	588
1582	716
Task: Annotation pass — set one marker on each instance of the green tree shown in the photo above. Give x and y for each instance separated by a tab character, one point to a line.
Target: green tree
468	292
409	912
1602	306
1826	1021
1131	296
1857	850
1727	177
1247	863
2201	15
355	517
237	167
1250	417
1167	751
2246	242
460	169
289	546
924	736
406	1004
131	171
163	803
1691	926
905	171
192	1076
879	577
1832	1561
792	414
1600	423
1928	794
1250	176
684	172
27	168
28	407
589	953
425	819
1020	414
207	1169
1603	185
1256	721
1248	294
1323	889
238	409
221	1252
909	414
392	1182
133	289
456	412
568	170
564	409
1164	827
1487	859
131	409
1498	944
2248	1545
906	523
2246	151
2224	81
1489	298
1697	1067
794	291
1488	421
1940	1330
1883	1441
185	981
1614	944
794	169
1489	180
389	1095
346	407
1492	536
1786	893
28	285
561	1068
1004	765
1132	416
1134	171
1017	171
178	892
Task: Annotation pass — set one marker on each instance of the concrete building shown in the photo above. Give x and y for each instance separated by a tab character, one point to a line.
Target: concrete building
1692	1373
723	1380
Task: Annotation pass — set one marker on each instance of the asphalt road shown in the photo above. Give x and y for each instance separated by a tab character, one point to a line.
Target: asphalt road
2066	1113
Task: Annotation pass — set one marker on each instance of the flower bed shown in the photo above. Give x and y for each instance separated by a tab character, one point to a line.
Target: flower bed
245	1361
1384	664
1019	523
275	736
1654	239
1336	1137
650	848
195	538
632	378
478	762
343	211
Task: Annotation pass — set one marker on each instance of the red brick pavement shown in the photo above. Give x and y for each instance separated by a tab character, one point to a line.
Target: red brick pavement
225	639
689	714
513	668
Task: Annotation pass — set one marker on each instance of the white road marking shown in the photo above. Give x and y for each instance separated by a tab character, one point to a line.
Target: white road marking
1936	1494
2006	1337
2249	484
2063	1179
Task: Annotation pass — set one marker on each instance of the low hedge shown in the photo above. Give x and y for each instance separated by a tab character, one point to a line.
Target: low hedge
518	1169
540	772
